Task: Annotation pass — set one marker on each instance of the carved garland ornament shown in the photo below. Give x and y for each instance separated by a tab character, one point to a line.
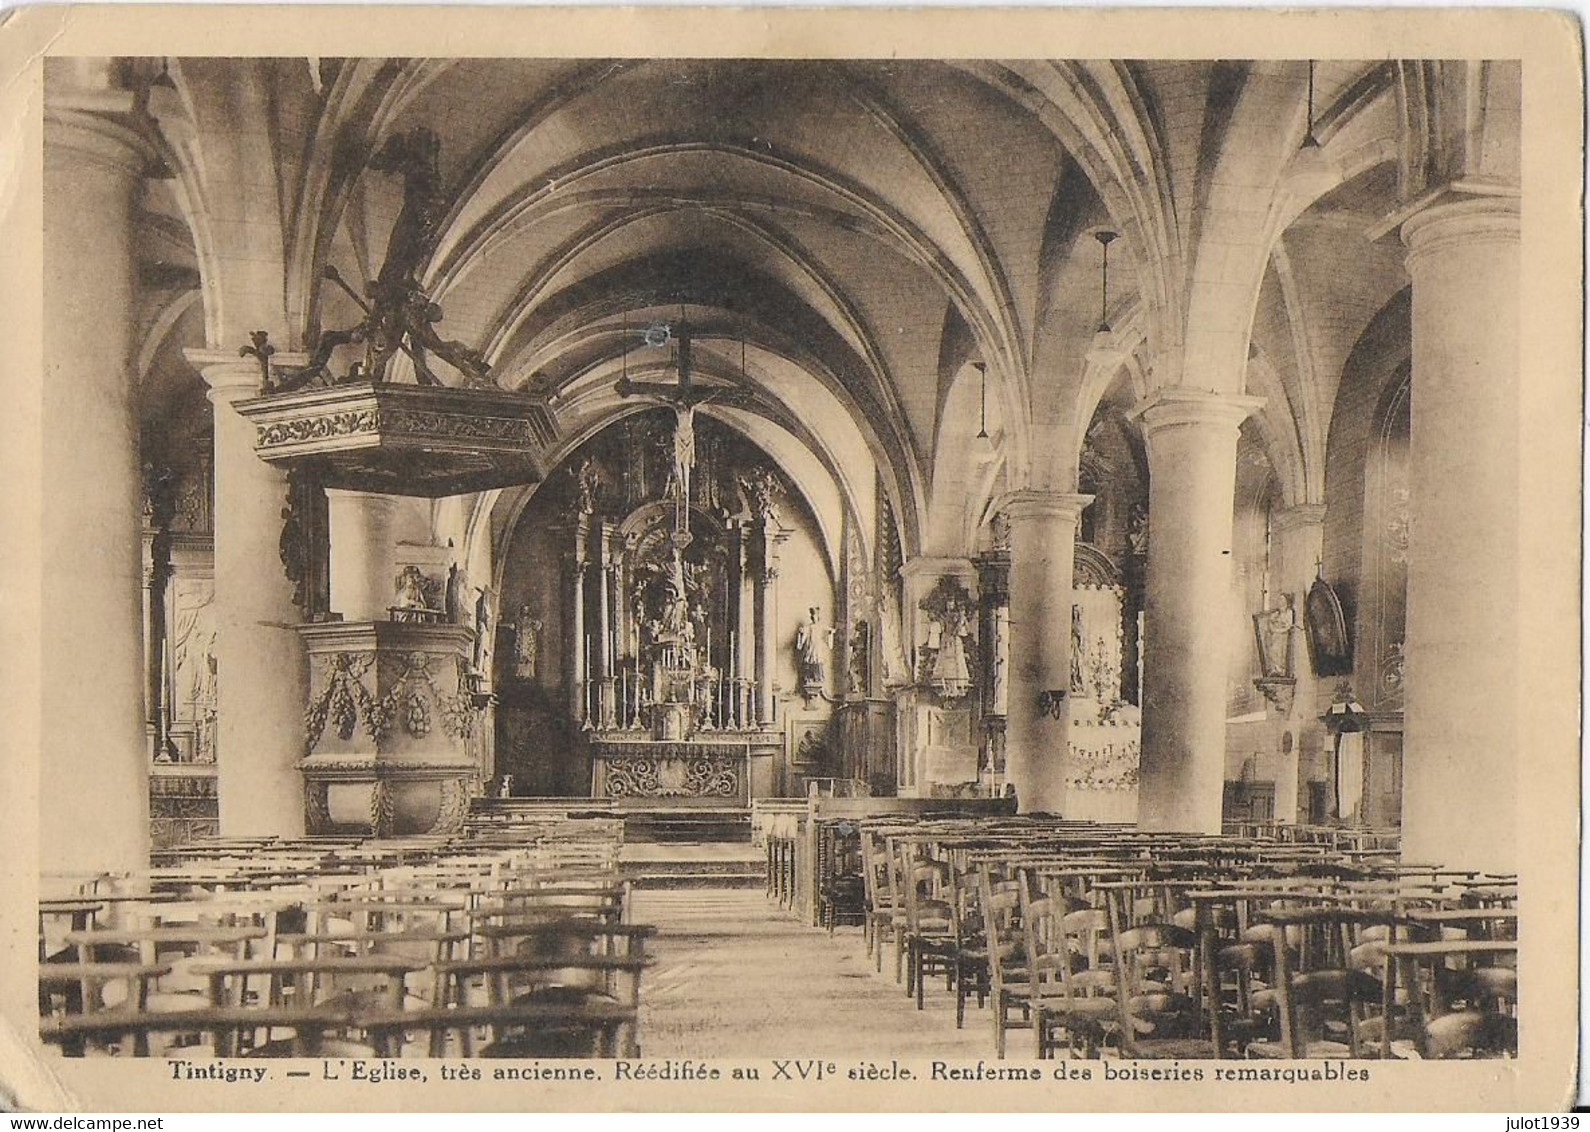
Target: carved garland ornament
454	807
354	422
317	817
345	700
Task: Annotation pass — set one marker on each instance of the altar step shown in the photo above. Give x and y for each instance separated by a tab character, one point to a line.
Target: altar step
651	825
679	864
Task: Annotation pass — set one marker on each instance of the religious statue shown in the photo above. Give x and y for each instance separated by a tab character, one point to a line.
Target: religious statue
812	642
587	486
1273	629
193	651
526	644
760	486
398	313
999	531
411	589
951	676
684	448
456	600
483	634
676	607
1137	529
505	786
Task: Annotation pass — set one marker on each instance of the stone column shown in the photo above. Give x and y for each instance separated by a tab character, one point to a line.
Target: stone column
1043	534
1299	534
1461	756
765	615
578	662
606	664
93	766
262	669
362	568
1192	458
993	651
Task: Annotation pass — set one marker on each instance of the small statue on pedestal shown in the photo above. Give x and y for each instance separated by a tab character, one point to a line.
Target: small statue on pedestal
526	644
812	643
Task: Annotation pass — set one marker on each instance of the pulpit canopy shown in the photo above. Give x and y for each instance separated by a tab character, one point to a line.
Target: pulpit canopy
399	439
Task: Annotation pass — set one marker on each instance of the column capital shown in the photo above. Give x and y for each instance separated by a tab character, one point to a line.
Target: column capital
924	565
1173	406
1293	518
1451	221
1029	504
99	131
232	376
368	500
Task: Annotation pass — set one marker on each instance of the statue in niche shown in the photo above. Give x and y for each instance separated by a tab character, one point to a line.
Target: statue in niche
587	486
1137	529
676	607
812	642
950	675
999	531
943	658
861	658
526	644
194	662
760	486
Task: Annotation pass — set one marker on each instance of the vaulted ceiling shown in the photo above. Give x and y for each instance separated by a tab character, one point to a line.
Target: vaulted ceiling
844	238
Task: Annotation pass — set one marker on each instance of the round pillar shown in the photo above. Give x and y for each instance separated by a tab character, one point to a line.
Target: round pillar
1461	752
94	793
362	567
262	671
1043	537
1191	437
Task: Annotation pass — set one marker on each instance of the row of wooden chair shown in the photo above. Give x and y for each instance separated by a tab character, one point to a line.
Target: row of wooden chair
1107	939
503	947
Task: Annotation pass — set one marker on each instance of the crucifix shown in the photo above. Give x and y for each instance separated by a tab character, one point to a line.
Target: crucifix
682	397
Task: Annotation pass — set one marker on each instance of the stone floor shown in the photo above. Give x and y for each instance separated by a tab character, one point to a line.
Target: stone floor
738	976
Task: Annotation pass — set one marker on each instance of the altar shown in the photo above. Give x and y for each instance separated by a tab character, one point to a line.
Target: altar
709	773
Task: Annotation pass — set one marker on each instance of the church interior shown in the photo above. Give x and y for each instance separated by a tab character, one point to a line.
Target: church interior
961	533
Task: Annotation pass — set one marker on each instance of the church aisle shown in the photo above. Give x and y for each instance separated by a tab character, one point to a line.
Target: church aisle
737	976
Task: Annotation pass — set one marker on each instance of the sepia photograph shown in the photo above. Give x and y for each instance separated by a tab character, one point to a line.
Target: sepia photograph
796	569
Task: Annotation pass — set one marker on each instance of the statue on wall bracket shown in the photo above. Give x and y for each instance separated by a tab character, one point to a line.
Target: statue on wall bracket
813	643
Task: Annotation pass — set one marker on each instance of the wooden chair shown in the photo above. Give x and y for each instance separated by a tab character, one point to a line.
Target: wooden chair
1009	977
930	942
885	920
1071	987
319	984
1157	991
591	1003
1462	995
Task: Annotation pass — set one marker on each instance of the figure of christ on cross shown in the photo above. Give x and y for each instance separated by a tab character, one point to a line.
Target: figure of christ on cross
683	397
